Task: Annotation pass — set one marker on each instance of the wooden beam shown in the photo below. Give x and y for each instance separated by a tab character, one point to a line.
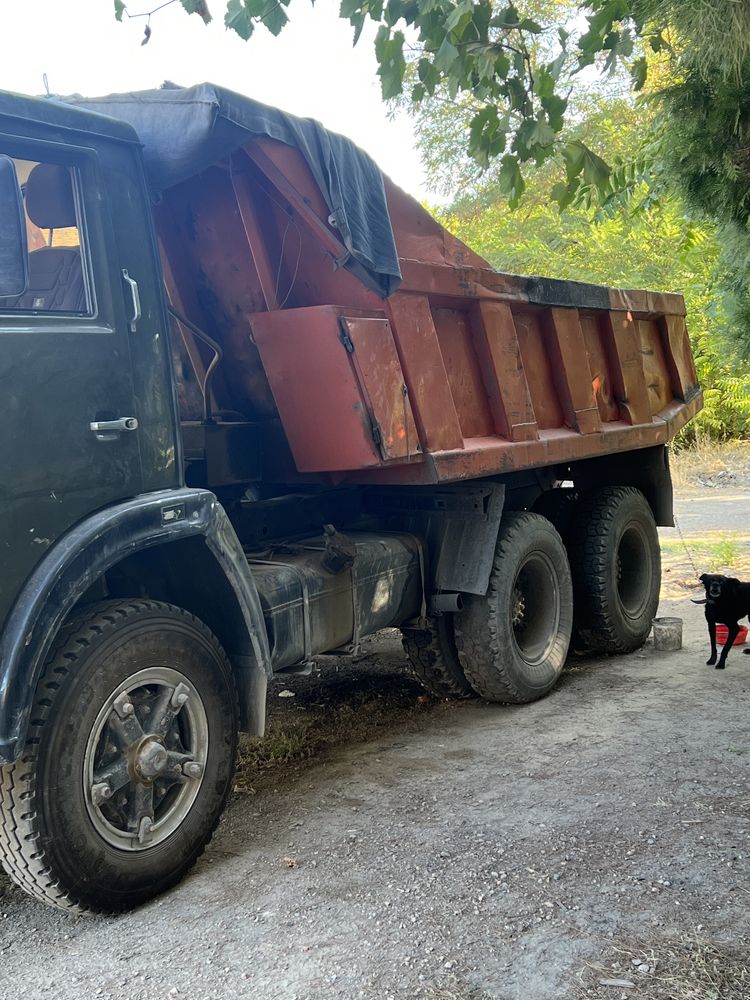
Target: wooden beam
623	348
571	371
504	377
320	229
255	237
424	371
679	356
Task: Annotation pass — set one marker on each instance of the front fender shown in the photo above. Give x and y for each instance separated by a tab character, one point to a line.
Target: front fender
80	558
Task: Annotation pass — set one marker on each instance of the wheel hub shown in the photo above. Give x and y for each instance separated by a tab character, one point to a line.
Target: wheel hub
150	759
535	608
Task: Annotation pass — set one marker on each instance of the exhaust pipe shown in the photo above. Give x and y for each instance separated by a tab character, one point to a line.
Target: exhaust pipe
443	604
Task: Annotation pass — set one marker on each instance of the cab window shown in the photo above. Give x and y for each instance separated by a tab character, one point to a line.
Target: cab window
58	280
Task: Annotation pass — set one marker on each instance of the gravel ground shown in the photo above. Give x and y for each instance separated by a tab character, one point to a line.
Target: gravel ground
383	845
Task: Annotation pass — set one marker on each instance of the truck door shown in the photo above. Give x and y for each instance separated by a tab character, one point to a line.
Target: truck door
70	423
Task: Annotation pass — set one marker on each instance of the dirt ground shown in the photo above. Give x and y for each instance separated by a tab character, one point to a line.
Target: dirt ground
383	845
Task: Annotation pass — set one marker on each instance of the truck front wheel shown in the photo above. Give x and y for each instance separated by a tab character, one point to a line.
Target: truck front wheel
513	642
128	760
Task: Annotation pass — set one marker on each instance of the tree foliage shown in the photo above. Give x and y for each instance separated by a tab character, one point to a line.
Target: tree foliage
510	67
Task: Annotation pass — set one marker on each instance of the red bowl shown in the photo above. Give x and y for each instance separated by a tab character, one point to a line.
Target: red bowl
722	632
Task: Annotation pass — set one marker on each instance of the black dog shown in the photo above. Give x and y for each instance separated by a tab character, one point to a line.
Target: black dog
727	600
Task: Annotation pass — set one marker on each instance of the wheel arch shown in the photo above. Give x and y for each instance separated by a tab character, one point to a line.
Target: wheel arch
177	546
647	469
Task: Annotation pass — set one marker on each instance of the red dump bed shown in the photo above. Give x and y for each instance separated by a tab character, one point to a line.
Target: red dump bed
463	372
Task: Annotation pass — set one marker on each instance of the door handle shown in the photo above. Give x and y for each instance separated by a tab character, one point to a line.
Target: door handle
133	284
107	430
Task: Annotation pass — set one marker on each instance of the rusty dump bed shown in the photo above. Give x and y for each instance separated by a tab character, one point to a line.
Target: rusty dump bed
462	372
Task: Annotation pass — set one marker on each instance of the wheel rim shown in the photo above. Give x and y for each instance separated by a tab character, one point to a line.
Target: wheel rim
633	570
145	759
535	608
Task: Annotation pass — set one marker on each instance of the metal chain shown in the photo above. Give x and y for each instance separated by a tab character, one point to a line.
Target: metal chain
684	543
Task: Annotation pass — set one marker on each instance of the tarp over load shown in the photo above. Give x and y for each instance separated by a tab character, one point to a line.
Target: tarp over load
184	130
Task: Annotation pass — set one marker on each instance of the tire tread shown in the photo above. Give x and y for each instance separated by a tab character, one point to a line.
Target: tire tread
21	853
436	668
595	616
480	649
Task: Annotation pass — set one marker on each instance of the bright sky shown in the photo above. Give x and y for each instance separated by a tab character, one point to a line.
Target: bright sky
311	69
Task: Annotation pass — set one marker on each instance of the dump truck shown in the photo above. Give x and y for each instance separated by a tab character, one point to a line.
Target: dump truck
259	405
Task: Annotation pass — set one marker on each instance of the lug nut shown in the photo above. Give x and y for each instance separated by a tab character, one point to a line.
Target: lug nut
123	705
179	696
192	769
100	792
144	830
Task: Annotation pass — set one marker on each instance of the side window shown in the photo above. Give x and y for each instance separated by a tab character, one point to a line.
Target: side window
58	277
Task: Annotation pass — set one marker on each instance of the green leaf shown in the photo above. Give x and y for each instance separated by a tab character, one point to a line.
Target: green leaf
457	15
198	7
511	180
638	72
507	18
541	134
393	11
544	82
573	155
120	9
274	17
564	193
446	55
555	108
657	42
238	19
389	51
595	171
528	25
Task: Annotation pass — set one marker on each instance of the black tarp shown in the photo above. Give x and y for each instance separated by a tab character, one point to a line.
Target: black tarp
186	129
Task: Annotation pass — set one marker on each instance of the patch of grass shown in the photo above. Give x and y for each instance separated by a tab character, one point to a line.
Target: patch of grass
725	553
343	703
279	746
710	553
688	968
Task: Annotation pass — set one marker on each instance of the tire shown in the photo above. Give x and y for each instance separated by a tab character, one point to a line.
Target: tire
109	805
512	643
433	659
616	565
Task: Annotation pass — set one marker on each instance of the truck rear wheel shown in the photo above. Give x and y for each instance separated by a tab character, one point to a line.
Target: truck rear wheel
128	761
513	642
616	566
433	658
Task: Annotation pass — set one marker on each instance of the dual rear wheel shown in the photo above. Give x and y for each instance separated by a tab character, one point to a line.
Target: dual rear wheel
590	568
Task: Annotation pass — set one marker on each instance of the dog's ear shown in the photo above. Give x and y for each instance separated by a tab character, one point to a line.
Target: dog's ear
731	582
703	579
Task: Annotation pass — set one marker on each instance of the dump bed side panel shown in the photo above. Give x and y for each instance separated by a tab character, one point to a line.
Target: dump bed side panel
463	372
